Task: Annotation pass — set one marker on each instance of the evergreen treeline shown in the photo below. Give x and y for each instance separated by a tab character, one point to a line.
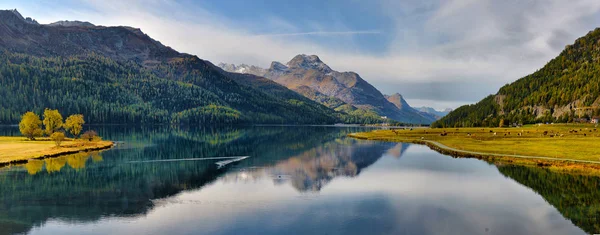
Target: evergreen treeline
107	91
569	82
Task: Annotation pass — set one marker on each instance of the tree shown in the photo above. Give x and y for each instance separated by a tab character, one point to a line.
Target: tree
501	122
53	121
74	124
89	135
30	125
57	137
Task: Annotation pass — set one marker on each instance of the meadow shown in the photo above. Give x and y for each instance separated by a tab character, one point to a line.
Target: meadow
16	149
579	143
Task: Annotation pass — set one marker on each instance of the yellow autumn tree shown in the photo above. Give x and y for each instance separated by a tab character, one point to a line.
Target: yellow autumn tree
74	124
58	137
53	121
30	125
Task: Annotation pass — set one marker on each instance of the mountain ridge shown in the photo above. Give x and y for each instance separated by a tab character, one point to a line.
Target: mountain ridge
437	113
311	77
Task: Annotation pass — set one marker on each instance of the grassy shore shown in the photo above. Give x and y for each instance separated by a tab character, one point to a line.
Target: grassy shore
559	146
18	149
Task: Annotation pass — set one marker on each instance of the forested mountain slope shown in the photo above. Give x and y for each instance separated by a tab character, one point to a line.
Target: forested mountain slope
120	75
567	87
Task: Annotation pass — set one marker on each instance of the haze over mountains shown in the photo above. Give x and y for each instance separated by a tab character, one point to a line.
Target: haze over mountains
311	77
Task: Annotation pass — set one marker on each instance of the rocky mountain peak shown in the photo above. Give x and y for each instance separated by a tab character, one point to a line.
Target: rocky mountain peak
14	15
398	101
397	95
308	62
120	43
14	11
276	66
312	78
243	68
67	23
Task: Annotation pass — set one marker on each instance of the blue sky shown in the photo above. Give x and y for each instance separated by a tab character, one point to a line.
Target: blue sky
439	53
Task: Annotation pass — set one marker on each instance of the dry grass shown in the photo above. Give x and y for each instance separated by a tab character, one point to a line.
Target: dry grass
560	141
19	148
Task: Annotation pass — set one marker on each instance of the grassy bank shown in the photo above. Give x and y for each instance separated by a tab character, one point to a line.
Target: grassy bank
555	146
18	149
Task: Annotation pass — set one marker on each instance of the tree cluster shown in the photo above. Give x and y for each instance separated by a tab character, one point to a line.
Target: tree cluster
53	125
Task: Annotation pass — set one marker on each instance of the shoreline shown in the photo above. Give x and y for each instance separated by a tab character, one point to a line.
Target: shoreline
584	167
68	150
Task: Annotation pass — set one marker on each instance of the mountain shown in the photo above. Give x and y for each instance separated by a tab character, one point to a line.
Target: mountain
75	23
121	75
436	113
343	91
398	101
18	15
566	88
243	68
401	104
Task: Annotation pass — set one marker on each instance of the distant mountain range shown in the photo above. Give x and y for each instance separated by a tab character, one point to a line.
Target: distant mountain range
436	113
565	89
343	91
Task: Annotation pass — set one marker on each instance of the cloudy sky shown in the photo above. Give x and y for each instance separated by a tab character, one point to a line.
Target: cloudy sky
439	53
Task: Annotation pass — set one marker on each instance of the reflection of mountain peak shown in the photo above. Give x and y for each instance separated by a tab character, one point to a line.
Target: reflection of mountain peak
313	169
398	150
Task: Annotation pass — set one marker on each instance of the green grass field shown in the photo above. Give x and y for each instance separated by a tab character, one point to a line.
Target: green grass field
561	141
19	148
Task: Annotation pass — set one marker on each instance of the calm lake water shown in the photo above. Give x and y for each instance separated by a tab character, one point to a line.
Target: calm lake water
297	180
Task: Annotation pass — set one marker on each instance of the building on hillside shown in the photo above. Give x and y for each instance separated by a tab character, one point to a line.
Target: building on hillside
580	120
595	119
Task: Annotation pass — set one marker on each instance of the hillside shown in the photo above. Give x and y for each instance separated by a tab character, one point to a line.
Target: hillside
566	88
121	75
343	91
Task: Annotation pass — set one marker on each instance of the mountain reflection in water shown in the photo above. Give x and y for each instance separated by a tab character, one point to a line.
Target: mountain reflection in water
313	169
297	180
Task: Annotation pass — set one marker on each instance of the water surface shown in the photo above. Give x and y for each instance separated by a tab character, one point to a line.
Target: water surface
297	180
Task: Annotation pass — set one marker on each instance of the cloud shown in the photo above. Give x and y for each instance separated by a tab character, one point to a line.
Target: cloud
321	33
451	51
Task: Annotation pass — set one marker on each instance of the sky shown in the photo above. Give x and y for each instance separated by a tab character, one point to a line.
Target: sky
437	53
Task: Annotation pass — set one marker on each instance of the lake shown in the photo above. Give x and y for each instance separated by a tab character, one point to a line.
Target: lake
295	180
